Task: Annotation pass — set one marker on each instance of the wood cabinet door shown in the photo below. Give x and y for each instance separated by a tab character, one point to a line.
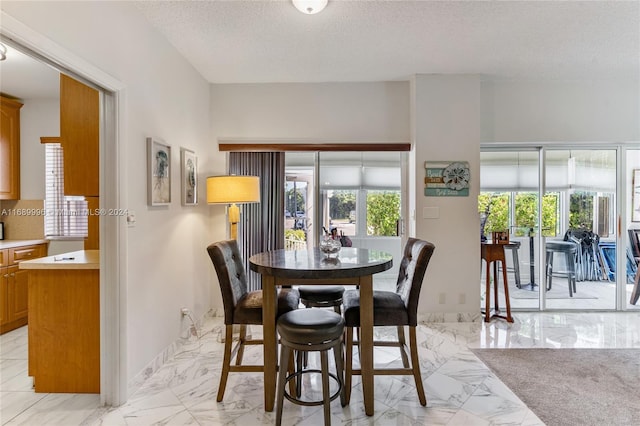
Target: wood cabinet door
79	136
18	293
9	149
4	257
4	295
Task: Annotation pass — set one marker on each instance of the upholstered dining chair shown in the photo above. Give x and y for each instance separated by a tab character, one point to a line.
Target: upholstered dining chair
399	308
241	307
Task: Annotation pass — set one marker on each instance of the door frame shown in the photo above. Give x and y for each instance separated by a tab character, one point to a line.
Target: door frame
621	205
113	249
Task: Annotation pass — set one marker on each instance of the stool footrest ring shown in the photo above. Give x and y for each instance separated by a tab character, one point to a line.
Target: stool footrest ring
310	403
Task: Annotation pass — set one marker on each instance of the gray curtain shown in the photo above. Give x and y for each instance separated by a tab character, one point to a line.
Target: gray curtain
261	226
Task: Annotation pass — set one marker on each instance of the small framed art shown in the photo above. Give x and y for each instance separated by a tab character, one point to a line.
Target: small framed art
188	177
158	172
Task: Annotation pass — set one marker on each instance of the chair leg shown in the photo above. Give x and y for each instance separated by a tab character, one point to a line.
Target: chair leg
549	270
226	363
415	364
300	367
291	369
348	363
326	400
338	355
403	345
285	353
241	339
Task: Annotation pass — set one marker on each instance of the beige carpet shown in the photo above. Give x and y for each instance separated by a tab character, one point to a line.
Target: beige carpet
572	386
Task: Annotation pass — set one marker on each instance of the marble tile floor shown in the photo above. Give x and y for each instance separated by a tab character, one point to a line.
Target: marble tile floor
590	295
460	389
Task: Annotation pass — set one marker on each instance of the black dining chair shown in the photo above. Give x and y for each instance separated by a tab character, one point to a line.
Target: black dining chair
399	308
241	307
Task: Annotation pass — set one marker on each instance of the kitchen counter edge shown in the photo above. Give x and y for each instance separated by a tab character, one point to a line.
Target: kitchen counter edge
81	259
7	244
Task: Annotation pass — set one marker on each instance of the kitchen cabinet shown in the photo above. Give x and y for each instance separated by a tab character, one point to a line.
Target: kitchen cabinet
64	322
14	285
9	149
79	136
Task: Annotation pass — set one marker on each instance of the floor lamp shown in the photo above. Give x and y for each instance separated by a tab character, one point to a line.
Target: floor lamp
233	190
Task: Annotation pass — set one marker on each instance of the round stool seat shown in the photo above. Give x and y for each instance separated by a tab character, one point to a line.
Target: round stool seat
561	246
310	326
321	293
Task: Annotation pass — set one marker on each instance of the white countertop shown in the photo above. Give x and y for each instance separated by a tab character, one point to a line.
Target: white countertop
7	244
81	259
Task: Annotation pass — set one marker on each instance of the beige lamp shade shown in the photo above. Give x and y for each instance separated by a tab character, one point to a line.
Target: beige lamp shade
233	189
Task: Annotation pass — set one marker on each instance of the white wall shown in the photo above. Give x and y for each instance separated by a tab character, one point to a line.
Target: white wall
167	265
446	126
561	111
366	112
38	117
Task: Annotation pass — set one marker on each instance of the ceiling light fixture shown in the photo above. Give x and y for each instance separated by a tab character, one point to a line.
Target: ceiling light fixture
309	7
3	52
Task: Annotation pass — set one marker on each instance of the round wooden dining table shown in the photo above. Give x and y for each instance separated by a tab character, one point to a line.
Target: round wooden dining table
352	266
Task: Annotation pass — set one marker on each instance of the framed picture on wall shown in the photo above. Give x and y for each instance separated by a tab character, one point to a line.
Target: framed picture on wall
635	196
158	172
188	177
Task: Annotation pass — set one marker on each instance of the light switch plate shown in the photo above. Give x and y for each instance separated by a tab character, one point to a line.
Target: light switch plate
131	219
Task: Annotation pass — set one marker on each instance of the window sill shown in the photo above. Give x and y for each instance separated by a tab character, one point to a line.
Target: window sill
63	238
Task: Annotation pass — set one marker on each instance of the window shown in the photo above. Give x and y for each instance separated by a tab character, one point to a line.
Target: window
383	213
65	216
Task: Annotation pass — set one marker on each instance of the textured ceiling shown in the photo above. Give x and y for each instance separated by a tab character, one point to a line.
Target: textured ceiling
270	41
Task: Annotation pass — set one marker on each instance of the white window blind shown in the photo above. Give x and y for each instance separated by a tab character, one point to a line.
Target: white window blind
65	216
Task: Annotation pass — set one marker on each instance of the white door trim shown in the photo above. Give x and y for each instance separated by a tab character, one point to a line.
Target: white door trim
113	277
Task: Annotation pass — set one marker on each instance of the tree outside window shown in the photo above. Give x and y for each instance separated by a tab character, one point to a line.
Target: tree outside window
496	206
383	212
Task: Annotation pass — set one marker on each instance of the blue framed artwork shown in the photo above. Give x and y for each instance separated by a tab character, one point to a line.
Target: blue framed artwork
446	178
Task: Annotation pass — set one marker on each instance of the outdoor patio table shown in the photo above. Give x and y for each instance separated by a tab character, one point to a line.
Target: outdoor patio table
494	253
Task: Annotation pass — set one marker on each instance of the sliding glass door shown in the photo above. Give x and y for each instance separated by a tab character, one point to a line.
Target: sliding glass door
575	242
509	201
357	193
585	182
630	293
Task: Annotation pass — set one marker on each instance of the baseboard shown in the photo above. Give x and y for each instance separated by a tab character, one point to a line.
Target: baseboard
167	354
440	317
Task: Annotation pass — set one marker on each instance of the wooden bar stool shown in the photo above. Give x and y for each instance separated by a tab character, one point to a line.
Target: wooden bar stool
311	330
322	296
494	253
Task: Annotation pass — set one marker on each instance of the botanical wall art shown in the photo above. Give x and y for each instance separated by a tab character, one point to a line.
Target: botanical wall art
189	177
158	172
